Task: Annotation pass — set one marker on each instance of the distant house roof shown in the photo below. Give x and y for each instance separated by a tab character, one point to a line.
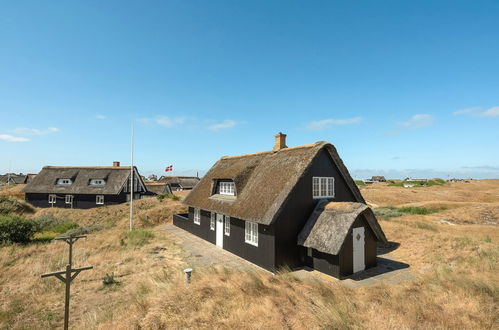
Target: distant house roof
12	178
158	188
378	178
45	181
328	225
263	181
29	177
186	182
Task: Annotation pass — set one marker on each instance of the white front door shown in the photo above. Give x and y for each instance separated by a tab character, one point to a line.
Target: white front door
358	237
220	230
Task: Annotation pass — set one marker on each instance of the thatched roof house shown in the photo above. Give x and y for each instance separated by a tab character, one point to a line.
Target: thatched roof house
158	188
83	187
12	178
282	207
180	182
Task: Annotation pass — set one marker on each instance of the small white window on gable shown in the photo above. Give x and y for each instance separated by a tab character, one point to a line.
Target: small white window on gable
212	221
322	187
251	233
99	199
97	182
227	188
64	182
197	216
52	199
69	199
227	225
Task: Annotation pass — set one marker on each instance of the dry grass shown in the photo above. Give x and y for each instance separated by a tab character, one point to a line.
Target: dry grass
457	268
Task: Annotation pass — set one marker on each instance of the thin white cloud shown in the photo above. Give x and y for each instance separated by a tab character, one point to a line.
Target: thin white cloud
11	138
169	121
492	112
318	125
477	112
466	111
101	117
34	131
418	121
228	123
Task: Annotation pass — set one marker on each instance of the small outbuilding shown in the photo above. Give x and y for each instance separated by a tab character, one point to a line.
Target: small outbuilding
378	178
287	207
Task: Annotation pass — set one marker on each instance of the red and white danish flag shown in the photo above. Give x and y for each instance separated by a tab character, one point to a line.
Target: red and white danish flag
169	168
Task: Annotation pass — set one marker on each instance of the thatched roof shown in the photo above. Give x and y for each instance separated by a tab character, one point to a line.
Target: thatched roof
328	225
12	178
158	188
45	181
263	181
186	182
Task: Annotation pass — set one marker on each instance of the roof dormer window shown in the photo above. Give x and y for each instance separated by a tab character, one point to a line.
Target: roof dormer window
227	188
97	182
64	182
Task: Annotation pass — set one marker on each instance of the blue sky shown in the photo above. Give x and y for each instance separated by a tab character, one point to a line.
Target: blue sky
400	88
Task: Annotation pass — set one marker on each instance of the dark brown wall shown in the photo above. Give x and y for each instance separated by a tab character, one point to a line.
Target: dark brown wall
79	201
300	205
263	255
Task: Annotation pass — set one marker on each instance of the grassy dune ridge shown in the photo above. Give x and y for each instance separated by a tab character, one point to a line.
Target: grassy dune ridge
456	265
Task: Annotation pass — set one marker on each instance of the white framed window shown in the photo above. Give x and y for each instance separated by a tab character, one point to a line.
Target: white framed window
69	199
227	188
99	199
322	187
197	216
227	225
212	221
251	233
97	182
64	182
52	199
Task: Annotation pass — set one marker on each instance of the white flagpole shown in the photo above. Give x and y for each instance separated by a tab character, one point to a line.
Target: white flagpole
131	184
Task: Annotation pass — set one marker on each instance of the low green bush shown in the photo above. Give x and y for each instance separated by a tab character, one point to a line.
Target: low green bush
170	196
360	183
10	204
137	237
16	229
392	211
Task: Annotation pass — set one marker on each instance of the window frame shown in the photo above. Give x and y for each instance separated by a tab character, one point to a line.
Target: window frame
68	199
97	182
226	225
227	188
323	187
52	199
251	233
99	199
212	221
61	182
197	216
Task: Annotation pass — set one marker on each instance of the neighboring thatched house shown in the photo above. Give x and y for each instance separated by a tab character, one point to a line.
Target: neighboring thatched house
83	187
157	188
29	177
12	178
287	207
378	178
177	183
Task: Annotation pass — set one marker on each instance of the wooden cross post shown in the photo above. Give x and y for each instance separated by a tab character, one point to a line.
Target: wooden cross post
68	275
70	240
67	279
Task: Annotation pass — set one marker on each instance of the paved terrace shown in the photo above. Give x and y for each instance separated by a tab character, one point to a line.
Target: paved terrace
200	253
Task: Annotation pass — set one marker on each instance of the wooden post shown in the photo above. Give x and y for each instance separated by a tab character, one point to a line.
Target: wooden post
67	279
70	240
69	274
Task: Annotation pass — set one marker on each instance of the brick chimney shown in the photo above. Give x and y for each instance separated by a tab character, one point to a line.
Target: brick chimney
116	164
280	142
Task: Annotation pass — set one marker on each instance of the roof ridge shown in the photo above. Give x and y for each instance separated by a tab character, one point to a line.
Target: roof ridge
303	146
89	167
